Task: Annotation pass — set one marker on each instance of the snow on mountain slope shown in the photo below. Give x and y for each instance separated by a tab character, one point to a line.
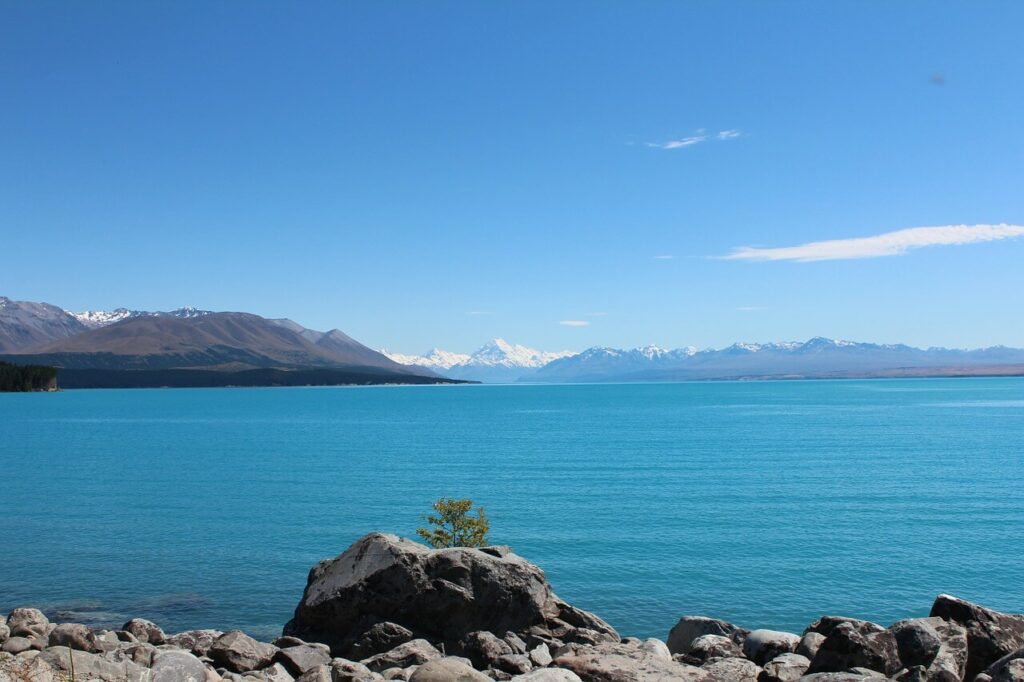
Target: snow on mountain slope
495	361
94	319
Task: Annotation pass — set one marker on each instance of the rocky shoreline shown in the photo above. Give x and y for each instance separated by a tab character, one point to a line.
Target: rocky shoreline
392	609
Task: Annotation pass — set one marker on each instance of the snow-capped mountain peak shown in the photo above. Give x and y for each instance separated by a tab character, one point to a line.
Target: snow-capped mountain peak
496	360
102	318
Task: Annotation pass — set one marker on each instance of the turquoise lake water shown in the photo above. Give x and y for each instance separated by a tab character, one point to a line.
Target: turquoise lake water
764	503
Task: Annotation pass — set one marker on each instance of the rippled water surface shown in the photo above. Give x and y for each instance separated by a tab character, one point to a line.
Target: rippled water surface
767	503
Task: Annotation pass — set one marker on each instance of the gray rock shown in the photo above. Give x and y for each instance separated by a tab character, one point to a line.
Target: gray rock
343	670
761	646
915	673
851	643
866	672
610	662
938	646
178	666
5	632
548	675
144	630
440	594
690	628
990	634
15	645
141	653
514	664
447	670
75	636
540	655
88	666
378	639
809	644
515	642
732	669
657	648
416	652
285	642
25	669
785	668
298	659
837	677
398	673
320	673
240	653
1009	668
28	623
711	646
484	648
196	641
274	673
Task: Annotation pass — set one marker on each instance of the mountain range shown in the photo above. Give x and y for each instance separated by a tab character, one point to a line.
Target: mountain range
230	348
497	361
185	339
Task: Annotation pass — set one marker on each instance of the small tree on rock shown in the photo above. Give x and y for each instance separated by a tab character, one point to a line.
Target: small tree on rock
454	526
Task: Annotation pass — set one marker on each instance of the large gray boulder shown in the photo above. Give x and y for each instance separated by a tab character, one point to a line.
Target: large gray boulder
440	594
851	643
548	675
990	634
343	670
732	669
144	630
416	652
761	646
177	666
447	670
711	646
785	668
5	632
938	646
240	653
379	638
75	636
625	662
196	641
1009	668
88	666
28	623
26	669
690	628
298	659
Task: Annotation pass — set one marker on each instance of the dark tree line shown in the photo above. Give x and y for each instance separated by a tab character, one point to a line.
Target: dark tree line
27	377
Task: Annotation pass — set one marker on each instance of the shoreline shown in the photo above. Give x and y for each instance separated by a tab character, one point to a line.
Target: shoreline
391	609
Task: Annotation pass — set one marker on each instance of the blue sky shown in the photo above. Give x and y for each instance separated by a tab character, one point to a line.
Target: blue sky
437	174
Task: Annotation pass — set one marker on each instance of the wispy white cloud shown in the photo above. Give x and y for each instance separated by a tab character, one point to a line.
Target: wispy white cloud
479	312
665	257
887	244
696	138
680	143
574	323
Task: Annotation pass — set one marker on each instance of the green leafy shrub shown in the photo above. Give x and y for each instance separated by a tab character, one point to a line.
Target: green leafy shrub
454	526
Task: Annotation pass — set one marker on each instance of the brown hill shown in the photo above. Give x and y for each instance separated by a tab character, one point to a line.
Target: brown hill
216	340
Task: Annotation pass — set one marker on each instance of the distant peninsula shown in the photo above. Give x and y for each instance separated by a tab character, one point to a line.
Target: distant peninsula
27	378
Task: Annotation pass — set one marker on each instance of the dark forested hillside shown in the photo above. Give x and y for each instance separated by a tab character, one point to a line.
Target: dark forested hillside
22	378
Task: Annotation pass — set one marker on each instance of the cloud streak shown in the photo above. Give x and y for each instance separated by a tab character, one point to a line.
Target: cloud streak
888	244
574	323
696	138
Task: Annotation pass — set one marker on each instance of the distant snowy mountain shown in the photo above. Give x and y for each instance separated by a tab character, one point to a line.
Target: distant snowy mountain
94	319
817	358
497	361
